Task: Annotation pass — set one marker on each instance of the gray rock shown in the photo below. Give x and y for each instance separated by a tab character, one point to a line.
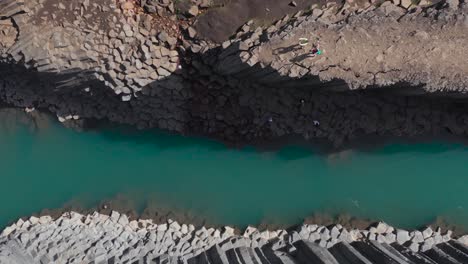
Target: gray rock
163	72
323	243
345	236
335	232
427	232
390	238
381	238
402	236
414	247
171	41
304	232
325	234
381	228
128	30
438	239
123	219
453	4
463	240
163	36
314	237
115	216
417	237
447	236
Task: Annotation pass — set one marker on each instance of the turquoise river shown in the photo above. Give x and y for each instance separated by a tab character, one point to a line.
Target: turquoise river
407	185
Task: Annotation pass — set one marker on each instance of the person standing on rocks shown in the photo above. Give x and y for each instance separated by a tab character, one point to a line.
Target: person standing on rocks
316	50
304	42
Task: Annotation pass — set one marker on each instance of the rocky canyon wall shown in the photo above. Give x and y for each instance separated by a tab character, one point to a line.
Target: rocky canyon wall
387	69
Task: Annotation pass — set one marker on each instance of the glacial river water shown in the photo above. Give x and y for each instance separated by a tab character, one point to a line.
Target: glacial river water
407	185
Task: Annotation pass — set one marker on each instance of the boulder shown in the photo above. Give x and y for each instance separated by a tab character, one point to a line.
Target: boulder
335	232
381	228
406	3
325	234
191	32
193	10
427	232
464	240
162	228
402	236
448	236
417	237
390	238
184	229
314	237
175	226
228	232
249	231
453	4
414	247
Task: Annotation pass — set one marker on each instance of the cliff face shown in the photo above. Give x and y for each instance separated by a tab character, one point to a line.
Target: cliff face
108	60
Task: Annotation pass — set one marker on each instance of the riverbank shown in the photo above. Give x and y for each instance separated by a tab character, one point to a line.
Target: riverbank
151	77
101	238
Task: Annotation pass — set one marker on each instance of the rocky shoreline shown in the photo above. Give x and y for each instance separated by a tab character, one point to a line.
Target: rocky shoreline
153	70
98	238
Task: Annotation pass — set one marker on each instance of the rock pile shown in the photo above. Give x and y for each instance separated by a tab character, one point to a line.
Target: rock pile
97	238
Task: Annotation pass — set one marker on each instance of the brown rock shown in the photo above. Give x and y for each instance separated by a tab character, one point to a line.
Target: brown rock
193	10
192	32
406	3
128	6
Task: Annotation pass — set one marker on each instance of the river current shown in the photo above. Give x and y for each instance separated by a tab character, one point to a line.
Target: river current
406	185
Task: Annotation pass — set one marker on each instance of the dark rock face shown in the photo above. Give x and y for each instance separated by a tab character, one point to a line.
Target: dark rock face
248	112
240	92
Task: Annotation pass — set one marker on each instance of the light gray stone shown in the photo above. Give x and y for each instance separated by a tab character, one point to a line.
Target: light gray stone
402	236
335	232
427	232
414	247
417	237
